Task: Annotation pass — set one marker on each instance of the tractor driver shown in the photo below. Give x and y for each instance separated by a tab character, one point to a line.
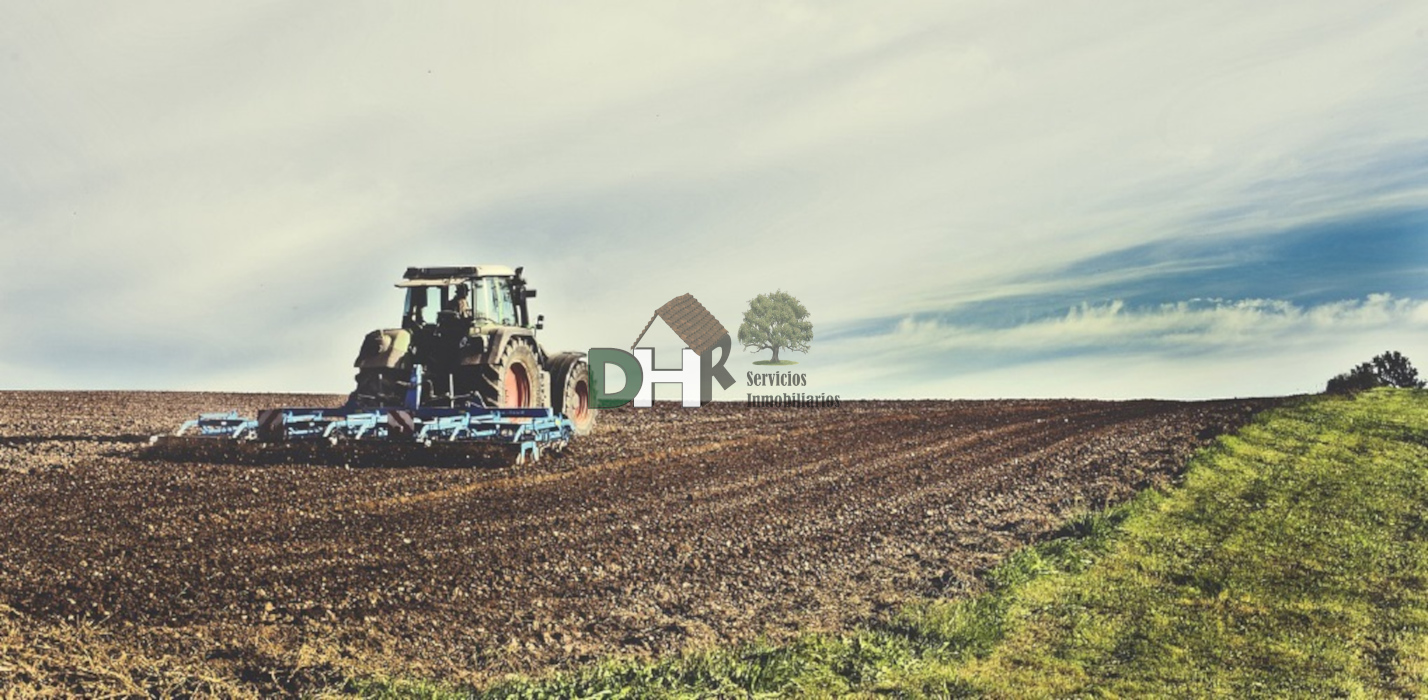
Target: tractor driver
461	301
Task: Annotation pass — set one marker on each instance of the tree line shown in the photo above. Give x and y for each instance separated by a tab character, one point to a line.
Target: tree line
1388	369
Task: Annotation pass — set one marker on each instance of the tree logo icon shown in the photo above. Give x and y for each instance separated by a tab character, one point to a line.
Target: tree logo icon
776	321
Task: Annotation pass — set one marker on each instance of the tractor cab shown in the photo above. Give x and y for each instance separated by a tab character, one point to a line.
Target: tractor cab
475	297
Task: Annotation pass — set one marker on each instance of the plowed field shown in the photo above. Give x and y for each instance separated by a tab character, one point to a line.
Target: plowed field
667	528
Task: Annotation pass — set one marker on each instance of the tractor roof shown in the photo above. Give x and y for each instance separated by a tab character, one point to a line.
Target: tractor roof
440	276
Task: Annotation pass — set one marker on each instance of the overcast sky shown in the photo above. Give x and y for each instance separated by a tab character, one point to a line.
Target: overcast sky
974	199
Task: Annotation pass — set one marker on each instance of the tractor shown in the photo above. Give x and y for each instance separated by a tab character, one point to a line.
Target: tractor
470	331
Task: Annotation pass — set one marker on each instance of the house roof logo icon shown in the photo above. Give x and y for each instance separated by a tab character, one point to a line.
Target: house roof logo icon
690	321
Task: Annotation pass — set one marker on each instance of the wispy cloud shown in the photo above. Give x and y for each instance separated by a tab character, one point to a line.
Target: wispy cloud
917	356
1188	326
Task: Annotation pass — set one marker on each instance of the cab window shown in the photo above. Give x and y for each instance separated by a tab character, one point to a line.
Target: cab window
505	308
492	301
481	305
418	311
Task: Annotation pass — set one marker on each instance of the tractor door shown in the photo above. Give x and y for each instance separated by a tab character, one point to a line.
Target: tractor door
416	312
493	303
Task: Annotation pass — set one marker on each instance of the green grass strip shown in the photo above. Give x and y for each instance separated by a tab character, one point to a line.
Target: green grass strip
1292	561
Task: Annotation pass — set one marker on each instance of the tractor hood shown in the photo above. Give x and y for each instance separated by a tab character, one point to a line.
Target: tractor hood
384	348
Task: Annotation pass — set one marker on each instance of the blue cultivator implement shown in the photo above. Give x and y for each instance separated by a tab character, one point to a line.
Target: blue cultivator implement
468	435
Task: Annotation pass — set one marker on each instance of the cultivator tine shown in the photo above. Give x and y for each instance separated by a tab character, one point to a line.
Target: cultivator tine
191	449
353	453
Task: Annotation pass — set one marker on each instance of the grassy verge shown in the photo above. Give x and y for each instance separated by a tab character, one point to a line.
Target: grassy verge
1293	560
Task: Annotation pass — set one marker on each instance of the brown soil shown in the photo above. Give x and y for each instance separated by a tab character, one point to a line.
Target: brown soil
667	528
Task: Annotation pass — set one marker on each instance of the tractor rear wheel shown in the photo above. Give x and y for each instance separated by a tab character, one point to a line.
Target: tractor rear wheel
570	393
513	381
